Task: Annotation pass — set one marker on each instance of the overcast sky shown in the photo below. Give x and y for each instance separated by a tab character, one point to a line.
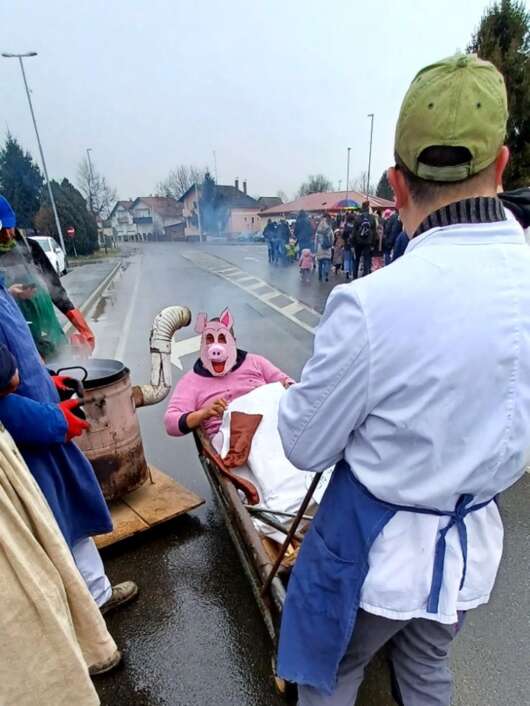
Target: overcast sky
278	88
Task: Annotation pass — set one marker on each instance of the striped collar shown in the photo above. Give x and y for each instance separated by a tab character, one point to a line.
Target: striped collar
480	209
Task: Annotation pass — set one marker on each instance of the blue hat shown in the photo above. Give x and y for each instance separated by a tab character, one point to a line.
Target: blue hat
8	366
7	215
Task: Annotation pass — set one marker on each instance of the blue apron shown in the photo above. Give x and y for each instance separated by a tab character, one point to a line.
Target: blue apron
324	591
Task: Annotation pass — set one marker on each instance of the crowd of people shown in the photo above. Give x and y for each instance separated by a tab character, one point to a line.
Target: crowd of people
352	244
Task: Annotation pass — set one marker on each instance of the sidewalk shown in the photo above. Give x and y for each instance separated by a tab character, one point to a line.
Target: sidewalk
81	282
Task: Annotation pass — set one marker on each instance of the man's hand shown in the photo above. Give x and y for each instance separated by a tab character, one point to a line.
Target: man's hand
214	409
22	291
75	418
287	383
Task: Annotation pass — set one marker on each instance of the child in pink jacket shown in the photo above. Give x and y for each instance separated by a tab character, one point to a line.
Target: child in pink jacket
305	263
222	373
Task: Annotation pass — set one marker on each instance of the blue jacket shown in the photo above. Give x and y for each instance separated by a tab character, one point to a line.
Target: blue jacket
32	417
400	245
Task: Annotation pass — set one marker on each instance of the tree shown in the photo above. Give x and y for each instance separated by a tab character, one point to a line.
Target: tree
20	181
73	213
94	187
282	195
384	190
315	184
359	184
179	180
503	37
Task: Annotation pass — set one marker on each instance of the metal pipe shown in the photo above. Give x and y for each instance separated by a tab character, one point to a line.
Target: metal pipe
258	509
165	325
291	533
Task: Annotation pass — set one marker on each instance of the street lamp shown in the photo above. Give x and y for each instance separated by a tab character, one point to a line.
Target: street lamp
7	55
371	116
348	173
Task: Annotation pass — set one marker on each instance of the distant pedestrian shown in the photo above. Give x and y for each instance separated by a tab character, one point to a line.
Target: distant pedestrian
305	263
364	236
324	243
347	237
282	242
269	233
400	245
303	232
338	251
392	228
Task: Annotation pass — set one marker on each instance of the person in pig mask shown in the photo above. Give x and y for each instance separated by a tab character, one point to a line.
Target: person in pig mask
221	373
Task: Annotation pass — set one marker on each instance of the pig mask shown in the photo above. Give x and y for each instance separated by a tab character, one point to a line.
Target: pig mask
218	345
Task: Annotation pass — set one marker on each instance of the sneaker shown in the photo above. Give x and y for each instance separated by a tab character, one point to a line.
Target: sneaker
122	593
106	666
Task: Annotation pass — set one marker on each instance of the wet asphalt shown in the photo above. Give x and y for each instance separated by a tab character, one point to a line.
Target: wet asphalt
195	635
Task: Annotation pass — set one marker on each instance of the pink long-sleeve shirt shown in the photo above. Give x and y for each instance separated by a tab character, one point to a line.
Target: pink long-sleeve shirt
194	391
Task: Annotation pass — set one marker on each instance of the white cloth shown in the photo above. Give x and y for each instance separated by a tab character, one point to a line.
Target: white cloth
420	379
280	485
90	566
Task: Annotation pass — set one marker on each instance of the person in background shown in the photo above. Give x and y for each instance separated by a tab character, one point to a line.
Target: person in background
388	234
338	250
347	237
305	263
36	286
364	236
400	245
303	232
324	243
427	427
284	233
43	419
51	628
268	234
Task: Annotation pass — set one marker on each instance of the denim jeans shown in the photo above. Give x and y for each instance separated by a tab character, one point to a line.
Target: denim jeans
324	266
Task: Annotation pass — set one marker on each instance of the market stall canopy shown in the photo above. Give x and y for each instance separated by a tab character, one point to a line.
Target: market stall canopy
323	202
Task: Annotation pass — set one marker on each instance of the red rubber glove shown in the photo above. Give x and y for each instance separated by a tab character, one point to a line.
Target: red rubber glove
67	386
77	319
75	424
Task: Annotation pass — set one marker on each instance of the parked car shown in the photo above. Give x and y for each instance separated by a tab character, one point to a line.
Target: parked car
54	253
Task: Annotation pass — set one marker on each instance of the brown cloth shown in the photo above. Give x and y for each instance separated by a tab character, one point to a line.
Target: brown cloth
242	429
50	626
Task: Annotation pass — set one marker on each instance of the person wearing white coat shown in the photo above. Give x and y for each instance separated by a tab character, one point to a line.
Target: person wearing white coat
419	390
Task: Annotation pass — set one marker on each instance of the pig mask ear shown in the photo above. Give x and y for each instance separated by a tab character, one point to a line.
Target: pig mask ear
226	319
201	321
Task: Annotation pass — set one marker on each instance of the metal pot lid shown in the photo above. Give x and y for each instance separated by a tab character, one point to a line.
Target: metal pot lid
96	372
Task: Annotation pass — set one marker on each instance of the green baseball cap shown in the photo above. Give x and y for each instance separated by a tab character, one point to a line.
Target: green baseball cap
458	102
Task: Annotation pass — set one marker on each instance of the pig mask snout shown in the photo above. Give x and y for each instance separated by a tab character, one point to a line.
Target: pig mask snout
217	353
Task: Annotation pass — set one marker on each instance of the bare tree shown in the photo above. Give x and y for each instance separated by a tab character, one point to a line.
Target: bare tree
316	183
359	184
99	195
179	180
282	195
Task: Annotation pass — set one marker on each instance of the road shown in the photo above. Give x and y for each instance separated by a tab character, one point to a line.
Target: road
195	637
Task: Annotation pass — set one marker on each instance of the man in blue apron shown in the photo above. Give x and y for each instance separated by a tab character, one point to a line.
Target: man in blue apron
419	391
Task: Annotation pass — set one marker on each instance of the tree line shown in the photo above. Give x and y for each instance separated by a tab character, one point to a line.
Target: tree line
22	184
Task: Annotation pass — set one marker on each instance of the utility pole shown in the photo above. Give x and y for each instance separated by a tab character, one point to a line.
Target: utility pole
371	116
50	192
348	173
90	179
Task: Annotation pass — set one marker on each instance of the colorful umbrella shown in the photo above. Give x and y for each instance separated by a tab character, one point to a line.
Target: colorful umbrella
345	203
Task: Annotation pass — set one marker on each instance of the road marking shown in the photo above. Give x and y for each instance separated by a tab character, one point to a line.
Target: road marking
120	348
248	257
179	349
238	278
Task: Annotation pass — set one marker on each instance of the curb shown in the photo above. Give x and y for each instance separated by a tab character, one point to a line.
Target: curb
94	296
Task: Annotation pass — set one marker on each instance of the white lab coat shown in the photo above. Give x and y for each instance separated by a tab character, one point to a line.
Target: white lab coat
420	379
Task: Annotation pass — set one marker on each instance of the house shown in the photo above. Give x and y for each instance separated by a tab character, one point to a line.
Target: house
265	202
238	211
324	202
146	218
152	214
120	220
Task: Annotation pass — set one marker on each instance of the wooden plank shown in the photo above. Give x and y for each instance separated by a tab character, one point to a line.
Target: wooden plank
126	524
161	500
153	503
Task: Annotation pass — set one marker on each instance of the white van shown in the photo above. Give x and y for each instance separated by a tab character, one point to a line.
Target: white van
54	253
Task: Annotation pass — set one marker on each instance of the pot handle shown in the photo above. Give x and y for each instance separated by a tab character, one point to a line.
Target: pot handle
74	367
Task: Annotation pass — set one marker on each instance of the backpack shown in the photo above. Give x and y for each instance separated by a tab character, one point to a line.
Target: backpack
326	241
364	231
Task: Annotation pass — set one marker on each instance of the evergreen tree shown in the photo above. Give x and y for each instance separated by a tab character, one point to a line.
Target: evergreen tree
384	190
20	181
503	37
73	213
207	204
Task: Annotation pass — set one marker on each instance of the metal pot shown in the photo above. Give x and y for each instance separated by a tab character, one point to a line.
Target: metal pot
113	444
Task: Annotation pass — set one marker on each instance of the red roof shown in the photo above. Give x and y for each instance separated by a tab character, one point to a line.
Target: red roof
323	202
